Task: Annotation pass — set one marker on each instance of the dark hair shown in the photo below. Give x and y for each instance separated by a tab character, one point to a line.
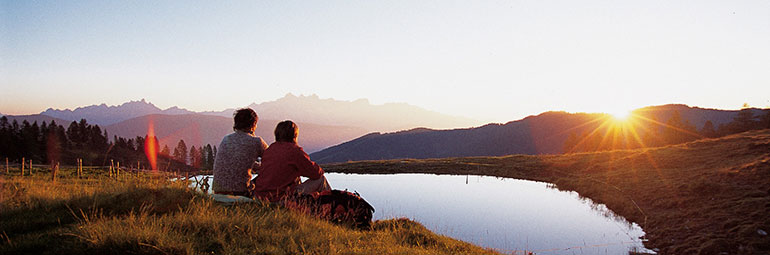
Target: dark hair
244	119
286	131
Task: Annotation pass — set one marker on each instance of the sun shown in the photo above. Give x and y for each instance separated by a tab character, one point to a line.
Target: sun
620	114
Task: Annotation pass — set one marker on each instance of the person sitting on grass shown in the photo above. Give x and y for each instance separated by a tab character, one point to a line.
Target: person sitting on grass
237	155
282	165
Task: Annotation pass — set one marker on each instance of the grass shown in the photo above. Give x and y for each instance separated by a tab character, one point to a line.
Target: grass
705	197
710	196
148	214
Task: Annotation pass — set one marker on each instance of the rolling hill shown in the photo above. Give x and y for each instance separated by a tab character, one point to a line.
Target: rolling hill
200	129
710	196
542	134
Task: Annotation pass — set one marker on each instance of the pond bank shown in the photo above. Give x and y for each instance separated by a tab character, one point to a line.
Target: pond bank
708	196
152	215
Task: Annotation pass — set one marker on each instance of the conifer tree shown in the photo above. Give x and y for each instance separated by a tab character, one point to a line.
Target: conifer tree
744	121
194	161
165	151
708	130
180	152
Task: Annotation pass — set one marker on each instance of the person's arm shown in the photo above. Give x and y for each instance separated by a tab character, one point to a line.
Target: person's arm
261	147
307	167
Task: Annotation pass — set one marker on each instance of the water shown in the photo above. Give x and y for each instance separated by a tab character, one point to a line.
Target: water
509	215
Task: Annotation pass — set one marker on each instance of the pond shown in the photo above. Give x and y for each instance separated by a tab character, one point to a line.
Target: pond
509	215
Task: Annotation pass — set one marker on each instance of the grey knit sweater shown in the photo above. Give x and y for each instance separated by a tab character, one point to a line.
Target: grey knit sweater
236	157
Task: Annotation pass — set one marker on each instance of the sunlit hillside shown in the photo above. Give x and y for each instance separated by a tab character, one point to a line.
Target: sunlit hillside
707	196
554	133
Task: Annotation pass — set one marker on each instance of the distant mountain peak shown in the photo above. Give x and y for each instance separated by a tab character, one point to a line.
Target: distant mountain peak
104	114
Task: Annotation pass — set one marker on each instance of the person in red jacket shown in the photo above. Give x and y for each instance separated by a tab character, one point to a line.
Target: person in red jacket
283	162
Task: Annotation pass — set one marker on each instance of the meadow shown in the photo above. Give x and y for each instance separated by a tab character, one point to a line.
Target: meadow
147	213
703	197
709	196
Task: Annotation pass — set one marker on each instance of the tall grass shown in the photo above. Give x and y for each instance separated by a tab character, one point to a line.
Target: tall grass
151	215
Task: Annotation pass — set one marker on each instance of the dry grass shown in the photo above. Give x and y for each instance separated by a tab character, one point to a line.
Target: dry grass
708	196
150	215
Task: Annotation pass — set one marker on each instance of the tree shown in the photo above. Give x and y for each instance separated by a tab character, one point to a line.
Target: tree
202	156
209	157
744	121
194	157
53	142
30	136
180	152
6	137
708	130
678	130
215	156
165	151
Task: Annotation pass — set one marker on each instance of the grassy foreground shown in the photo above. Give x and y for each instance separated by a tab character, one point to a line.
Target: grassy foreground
150	215
710	196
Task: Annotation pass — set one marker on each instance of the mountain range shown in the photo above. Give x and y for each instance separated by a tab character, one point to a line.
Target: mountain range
307	109
322	122
335	131
104	115
359	113
542	134
200	129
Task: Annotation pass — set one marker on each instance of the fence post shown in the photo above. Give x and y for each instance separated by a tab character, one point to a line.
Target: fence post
80	167
54	169
7	168
30	166
117	170
22	165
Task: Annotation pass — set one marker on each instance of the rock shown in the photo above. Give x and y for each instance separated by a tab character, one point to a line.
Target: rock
761	232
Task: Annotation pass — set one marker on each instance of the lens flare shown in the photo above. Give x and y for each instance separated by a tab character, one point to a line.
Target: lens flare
621	114
151	146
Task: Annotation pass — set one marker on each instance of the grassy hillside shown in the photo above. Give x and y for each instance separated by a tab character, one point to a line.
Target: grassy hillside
150	215
708	196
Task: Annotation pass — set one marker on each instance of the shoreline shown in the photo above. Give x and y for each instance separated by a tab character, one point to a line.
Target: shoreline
681	195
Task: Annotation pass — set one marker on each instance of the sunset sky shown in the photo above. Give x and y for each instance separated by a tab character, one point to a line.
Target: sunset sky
488	60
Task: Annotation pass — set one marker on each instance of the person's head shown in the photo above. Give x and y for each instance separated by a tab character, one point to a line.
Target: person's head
245	119
286	131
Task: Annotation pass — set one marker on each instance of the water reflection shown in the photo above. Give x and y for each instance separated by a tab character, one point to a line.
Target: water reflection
506	214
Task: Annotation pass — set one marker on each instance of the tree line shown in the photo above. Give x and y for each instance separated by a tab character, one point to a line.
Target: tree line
648	131
51	142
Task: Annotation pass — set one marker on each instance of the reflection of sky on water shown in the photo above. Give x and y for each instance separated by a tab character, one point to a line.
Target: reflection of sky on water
501	213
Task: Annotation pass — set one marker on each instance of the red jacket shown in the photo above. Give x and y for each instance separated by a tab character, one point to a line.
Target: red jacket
282	165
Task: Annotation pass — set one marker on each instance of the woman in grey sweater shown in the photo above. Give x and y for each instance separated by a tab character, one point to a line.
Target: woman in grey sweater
237	155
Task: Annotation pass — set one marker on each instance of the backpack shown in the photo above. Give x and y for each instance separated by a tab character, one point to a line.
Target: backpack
341	207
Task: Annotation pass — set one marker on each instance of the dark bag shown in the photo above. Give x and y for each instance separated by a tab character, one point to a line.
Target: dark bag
341	207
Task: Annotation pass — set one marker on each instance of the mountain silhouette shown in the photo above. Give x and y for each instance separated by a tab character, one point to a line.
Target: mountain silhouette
542	134
105	115
358	113
201	129
304	109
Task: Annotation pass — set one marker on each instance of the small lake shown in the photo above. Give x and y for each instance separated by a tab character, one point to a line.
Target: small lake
506	214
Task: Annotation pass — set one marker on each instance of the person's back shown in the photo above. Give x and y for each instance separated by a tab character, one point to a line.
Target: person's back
237	156
284	162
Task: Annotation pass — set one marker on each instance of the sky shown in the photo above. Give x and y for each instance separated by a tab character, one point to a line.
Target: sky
488	60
